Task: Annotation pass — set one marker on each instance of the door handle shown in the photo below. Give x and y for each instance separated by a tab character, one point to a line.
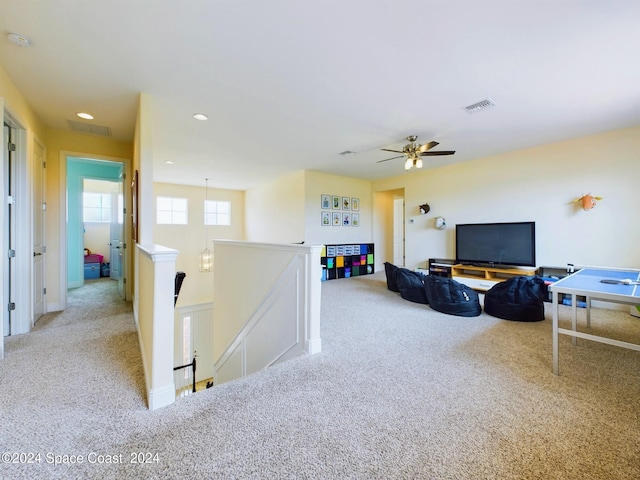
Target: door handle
36	254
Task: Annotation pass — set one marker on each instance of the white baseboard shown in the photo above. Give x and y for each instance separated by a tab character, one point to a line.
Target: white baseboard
161	397
54	307
313	346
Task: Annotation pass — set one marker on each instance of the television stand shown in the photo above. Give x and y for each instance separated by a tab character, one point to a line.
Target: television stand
483	278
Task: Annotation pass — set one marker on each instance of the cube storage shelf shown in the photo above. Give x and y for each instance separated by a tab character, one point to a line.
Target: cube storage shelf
347	260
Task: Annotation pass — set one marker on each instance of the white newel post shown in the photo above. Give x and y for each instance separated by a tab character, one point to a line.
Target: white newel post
156	285
314	293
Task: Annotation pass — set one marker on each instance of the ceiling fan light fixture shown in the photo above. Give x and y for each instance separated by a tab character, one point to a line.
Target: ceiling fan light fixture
418	162
408	164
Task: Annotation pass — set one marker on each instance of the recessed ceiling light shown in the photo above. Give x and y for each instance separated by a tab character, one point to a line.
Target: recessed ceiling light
200	116
169	162
19	39
86	116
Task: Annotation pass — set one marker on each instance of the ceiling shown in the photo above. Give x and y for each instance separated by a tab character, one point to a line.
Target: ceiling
288	85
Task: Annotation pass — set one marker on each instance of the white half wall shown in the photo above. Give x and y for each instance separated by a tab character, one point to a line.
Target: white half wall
266	305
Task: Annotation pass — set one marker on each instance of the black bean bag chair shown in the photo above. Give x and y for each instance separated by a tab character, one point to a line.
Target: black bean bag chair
449	296
411	285
518	298
390	269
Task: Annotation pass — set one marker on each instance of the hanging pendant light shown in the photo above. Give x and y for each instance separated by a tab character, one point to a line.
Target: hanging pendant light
206	257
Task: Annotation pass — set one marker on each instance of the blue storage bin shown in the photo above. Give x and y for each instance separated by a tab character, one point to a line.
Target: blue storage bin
105	270
91	271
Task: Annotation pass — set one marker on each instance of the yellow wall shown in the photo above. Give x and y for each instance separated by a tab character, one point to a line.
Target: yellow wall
288	209
317	184
533	184
60	143
275	211
189	239
18	106
55	142
537	184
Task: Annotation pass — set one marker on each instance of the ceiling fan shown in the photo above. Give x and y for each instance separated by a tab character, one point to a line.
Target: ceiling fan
413	151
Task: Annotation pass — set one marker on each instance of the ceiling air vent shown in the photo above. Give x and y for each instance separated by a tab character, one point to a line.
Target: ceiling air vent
89	128
482	105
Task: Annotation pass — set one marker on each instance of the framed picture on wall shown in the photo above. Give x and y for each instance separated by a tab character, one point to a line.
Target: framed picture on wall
135	206
355	219
346	219
355	204
336	219
325	201
336	202
346	203
326	219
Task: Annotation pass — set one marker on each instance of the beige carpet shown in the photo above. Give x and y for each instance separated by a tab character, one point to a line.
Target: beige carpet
398	392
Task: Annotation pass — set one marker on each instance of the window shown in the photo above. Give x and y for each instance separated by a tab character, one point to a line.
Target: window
217	213
171	211
96	207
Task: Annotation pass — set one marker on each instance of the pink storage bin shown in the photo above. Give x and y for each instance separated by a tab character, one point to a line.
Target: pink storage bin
93	258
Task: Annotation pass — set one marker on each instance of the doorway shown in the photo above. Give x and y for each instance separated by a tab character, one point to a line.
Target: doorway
398	231
103	219
95	205
388	227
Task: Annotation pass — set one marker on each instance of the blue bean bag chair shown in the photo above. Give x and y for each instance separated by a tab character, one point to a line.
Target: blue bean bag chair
449	296
519	298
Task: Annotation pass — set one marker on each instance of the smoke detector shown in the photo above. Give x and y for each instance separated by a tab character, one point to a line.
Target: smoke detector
19	39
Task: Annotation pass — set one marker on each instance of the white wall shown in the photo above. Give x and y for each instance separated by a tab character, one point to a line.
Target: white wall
96	239
537	184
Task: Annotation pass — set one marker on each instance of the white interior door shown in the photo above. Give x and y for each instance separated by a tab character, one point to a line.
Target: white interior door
122	246
116	237
39	248
6	228
398	231
9	224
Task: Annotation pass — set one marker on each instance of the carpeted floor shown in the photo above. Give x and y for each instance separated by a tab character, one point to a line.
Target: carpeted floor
398	392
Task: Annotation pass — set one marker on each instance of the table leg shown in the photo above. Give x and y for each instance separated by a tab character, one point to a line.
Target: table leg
588	312
574	317
554	335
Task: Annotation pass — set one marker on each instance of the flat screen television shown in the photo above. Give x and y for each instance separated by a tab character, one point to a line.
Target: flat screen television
496	244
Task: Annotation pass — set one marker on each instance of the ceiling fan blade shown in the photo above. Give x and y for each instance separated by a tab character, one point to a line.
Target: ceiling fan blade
427	146
394	151
387	159
440	152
